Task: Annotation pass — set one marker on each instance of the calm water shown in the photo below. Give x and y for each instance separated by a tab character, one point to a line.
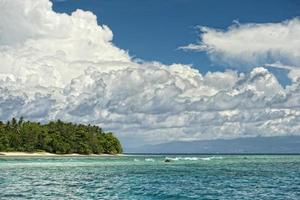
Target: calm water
149	177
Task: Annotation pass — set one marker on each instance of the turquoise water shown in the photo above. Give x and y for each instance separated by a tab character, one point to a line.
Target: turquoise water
149	177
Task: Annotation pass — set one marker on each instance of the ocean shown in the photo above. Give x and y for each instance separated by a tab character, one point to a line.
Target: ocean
146	177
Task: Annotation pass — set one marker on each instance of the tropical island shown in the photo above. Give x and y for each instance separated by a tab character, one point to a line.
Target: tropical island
56	137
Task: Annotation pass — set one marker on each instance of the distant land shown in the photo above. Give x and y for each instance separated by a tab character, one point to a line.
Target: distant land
255	145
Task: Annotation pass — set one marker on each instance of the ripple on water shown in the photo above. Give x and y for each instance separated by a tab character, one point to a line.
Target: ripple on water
149	177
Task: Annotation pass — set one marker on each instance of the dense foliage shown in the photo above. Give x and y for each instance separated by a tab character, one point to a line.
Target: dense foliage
56	137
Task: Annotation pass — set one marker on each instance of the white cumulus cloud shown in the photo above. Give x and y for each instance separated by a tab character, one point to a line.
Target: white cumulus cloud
252	44
59	66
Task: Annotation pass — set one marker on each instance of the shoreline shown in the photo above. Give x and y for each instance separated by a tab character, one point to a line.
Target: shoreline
44	154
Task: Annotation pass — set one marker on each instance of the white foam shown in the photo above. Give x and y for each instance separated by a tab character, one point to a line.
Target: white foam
193	158
149	159
190	158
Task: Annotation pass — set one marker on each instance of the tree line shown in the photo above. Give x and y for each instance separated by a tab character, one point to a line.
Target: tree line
56	137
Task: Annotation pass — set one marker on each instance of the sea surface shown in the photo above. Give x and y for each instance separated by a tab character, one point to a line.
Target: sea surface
149	177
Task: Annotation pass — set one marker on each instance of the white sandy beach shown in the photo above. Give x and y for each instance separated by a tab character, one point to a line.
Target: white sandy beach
50	154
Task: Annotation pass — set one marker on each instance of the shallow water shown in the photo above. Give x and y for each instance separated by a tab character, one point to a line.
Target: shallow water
149	177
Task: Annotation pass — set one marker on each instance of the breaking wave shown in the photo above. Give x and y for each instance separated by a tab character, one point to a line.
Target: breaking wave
193	158
149	159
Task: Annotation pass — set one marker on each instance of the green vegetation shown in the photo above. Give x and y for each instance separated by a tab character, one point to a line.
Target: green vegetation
56	137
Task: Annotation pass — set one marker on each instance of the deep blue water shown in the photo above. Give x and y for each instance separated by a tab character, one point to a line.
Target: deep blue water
149	177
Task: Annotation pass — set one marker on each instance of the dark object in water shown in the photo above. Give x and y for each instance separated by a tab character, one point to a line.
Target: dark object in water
167	160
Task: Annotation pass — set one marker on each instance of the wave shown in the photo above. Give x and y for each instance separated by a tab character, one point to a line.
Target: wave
193	158
149	159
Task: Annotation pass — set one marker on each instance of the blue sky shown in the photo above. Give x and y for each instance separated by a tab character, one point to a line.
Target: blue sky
154	29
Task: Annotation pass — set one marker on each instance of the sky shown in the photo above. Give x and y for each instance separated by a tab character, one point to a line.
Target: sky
154	29
154	71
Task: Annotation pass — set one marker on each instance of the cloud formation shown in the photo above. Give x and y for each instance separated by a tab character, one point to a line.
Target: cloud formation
41	46
252	44
59	66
